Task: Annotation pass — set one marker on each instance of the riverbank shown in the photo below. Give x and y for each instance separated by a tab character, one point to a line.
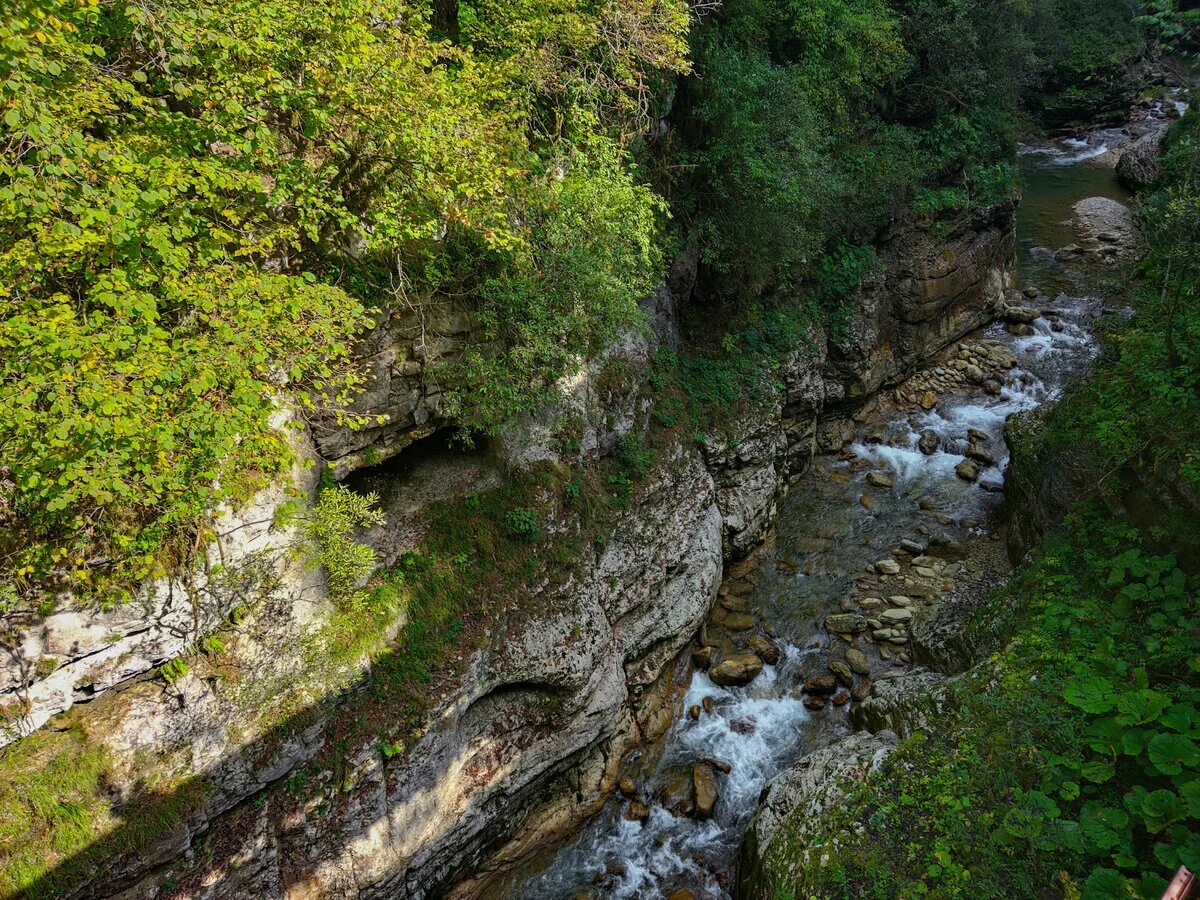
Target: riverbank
1064	761
883	558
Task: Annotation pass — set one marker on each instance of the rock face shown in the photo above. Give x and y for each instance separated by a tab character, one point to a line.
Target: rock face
1109	229
1141	160
802	793
902	702
528	741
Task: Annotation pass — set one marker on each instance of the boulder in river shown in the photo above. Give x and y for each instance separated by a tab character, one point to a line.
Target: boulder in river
1140	163
879	479
823	683
1022	314
1109	226
980	454
967	470
842	672
704	790
928	442
845	623
637	811
736	671
765	648
857	661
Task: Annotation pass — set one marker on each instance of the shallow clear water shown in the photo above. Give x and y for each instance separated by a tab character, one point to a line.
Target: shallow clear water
824	540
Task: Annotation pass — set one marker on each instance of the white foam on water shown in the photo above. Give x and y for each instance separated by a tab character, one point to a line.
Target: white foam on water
754	729
908	464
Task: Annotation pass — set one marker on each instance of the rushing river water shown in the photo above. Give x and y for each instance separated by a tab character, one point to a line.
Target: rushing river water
825	539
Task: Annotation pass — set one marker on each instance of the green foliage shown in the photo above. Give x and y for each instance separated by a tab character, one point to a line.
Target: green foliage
330	544
199	202
57	824
1086	51
592	253
1072	760
522	524
1142	408
173	669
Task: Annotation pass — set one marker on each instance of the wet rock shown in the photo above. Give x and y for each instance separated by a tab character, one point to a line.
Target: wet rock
765	648
979	437
841	698
967	470
739	621
709	705
887	567
879	479
626	786
857	661
946	547
1140	163
719	764
1021	314
821	684
681	894
703	658
736	671
694	711
816	783
814	702
1030	292
980	454
745	726
1002	357
637	811
928	400
845	623
1017	329
1109	225
992	387
974	373
842	672
704	790
867	502
615	868
861	690
834	434
733	603
928	442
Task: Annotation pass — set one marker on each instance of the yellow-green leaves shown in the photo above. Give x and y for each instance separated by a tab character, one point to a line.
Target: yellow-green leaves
200	200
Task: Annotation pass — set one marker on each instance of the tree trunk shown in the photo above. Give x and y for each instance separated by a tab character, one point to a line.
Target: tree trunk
445	19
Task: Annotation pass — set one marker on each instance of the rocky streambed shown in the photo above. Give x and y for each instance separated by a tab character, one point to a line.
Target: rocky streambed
833	637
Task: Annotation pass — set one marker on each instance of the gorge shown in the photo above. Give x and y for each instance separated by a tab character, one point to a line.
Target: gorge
767	553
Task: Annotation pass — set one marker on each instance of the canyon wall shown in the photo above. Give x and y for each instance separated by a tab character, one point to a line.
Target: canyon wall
526	743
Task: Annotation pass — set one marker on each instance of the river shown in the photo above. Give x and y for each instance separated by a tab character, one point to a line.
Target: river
832	528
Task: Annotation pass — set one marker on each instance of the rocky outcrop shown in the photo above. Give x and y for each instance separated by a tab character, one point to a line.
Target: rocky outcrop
402	360
1141	160
902	702
526	743
802	794
76	654
929	291
1108	229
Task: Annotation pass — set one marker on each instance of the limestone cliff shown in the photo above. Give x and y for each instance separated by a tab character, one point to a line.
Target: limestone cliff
525	743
